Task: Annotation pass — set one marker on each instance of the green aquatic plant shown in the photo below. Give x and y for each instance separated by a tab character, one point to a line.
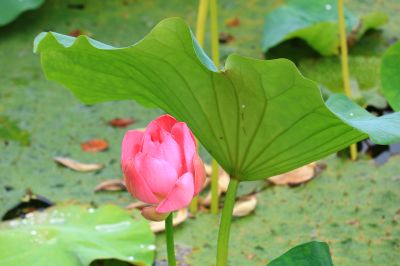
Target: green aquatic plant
257	118
316	22
312	253
11	9
390	76
68	235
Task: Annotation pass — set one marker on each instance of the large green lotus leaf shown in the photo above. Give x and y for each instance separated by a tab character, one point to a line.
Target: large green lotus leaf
316	22
308	254
390	76
76	235
258	118
10	9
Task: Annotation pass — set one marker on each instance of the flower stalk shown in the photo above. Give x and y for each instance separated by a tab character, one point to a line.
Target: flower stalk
169	229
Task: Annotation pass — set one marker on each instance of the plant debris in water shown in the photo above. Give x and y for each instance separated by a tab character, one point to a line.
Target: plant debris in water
29	203
78	166
94	145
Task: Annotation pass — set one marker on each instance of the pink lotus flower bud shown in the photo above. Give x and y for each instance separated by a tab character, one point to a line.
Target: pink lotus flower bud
161	166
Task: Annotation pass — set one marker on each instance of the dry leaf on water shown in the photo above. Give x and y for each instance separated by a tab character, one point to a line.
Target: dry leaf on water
225	38
121	122
77	166
75	33
94	145
245	206
111	185
179	217
208	169
136	205
295	177
233	22
223	182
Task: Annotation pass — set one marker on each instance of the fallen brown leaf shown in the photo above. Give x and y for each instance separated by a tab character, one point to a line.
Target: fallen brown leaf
352	36
245	206
225	38
77	166
121	122
233	22
179	217
75	33
295	177
354	222
223	182
111	185
250	256
207	182
136	205
125	15
94	145
208	169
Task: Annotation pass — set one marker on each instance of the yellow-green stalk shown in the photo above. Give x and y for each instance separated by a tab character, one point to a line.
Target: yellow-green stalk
195	201
215	58
200	31
345	64
201	21
214	32
214	187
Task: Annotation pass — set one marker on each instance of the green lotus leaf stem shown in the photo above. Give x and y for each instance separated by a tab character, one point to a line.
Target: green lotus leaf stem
215	58
345	63
225	224
201	21
214	32
200	32
214	187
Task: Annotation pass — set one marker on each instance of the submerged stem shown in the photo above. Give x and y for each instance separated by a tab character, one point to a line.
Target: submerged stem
169	229
225	223
345	64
